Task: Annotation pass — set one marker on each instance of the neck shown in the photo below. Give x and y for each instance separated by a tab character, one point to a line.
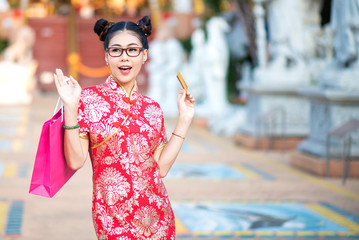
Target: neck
127	87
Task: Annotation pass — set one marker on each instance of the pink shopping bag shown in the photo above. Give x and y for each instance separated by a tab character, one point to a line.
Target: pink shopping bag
50	171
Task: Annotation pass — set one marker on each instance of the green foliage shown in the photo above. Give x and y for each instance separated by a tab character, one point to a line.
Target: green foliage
214	6
3	45
187	45
232	78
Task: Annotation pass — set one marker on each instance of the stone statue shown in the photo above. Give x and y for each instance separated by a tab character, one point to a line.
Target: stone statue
21	40
215	69
285	31
223	117
18	61
86	10
336	100
286	64
345	25
5	19
343	71
154	68
183	6
192	70
166	59
4	6
279	74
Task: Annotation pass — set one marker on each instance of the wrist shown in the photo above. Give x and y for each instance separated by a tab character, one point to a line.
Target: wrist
182	128
71	106
179	136
70	112
185	120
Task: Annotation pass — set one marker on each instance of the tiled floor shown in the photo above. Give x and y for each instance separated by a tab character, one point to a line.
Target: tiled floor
11	218
259	218
218	190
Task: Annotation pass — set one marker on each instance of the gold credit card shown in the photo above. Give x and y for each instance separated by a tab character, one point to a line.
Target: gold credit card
182	81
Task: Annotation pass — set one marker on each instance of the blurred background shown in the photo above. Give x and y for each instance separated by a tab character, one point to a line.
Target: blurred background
276	84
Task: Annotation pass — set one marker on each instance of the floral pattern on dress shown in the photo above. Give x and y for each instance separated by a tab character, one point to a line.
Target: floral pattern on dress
130	200
153	115
146	221
112	185
96	107
137	145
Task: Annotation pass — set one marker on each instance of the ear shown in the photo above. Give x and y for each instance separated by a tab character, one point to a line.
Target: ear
145	53
106	57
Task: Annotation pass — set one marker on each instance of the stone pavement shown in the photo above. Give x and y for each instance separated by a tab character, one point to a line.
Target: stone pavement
218	190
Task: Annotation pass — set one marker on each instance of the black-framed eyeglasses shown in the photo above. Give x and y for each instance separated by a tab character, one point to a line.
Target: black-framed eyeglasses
130	51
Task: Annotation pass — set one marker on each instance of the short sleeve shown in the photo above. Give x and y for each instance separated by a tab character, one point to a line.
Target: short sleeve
162	134
83	120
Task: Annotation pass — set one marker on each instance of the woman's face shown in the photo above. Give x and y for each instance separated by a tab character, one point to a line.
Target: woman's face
125	68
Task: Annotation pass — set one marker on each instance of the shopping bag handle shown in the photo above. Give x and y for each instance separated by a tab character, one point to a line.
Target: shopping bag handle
62	108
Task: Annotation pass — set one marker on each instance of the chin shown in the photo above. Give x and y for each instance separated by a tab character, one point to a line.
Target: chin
124	78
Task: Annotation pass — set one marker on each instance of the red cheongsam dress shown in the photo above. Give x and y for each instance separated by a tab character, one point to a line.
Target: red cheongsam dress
130	200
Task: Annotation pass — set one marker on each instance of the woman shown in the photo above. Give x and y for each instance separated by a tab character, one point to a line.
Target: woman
125	135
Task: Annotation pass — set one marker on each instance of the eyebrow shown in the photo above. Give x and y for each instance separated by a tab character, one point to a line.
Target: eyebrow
119	45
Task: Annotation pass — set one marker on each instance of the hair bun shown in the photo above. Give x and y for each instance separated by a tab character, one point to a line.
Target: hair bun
101	28
145	25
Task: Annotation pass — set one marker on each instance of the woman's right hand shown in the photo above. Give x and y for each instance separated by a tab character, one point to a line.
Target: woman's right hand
68	88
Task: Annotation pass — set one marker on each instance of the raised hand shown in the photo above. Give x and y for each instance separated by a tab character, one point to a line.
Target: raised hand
68	88
185	102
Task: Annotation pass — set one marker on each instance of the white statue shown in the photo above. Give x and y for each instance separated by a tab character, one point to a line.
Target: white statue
192	70
21	40
4	6
154	68
182	6
224	118
215	69
286	65
86	10
345	25
285	31
167	57
343	71
18	61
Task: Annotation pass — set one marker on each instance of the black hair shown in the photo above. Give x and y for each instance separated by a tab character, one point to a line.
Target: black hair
106	30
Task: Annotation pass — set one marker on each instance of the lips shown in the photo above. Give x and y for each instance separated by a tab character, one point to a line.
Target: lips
125	69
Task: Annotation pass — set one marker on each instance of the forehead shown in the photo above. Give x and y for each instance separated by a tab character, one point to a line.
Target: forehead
124	38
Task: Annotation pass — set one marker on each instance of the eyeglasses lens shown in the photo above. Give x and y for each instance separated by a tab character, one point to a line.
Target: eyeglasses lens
131	52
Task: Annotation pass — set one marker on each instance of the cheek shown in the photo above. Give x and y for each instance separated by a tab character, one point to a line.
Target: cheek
137	63
112	61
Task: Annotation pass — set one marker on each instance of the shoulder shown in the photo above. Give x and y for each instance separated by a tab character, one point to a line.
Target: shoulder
152	109
94	90
149	101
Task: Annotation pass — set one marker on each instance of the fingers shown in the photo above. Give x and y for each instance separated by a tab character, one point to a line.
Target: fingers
189	97
184	96
60	74
181	95
56	80
73	81
61	79
58	77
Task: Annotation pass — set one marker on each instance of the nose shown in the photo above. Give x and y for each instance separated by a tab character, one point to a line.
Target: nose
124	56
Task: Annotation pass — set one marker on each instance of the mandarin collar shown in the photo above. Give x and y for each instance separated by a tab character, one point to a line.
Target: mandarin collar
114	85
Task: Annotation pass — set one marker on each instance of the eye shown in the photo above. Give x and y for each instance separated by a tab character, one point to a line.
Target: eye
115	50
133	49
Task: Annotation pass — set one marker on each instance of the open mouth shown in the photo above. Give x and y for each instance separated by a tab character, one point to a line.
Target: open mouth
125	68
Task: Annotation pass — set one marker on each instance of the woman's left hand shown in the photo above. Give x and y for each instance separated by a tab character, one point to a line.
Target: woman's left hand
185	103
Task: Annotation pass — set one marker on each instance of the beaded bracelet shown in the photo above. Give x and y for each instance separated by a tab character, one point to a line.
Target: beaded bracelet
177	135
72	127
